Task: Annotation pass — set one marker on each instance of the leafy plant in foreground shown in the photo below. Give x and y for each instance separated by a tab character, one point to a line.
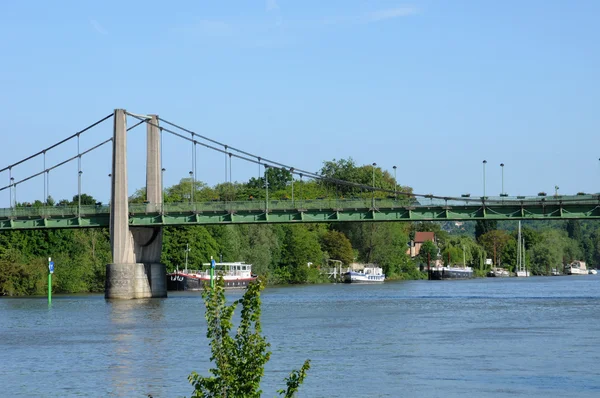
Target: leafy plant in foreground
240	360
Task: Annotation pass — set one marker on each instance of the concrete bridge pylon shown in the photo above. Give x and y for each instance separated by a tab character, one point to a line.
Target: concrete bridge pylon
136	271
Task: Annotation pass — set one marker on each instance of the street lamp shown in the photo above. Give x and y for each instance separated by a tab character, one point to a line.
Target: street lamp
292	171
502	166
13	188
191	186
395	182
79	192
162	187
373	199
266	188
484	163
556	188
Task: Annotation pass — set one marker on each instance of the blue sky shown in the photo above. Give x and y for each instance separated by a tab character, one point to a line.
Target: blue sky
433	87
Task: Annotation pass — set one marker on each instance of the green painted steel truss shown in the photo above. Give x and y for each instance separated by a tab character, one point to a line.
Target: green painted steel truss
310	211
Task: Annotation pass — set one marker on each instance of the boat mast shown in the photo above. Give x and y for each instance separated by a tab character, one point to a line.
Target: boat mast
523	261
187	250
519	248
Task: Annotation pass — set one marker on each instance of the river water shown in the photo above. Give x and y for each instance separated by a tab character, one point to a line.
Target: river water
503	337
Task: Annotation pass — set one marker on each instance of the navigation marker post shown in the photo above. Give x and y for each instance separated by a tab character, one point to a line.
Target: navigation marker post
51	269
212	272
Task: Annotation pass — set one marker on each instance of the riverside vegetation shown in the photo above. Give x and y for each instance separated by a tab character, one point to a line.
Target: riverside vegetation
281	252
240	360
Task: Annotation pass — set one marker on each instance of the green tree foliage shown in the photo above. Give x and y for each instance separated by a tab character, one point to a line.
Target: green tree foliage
428	253
482	227
347	170
86	200
278	179
452	255
553	251
573	228
302	250
201	244
494	242
338	247
239	360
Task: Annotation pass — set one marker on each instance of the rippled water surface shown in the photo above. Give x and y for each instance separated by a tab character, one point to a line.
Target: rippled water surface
504	337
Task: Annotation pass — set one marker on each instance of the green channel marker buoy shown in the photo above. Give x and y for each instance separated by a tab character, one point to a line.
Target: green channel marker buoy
51	269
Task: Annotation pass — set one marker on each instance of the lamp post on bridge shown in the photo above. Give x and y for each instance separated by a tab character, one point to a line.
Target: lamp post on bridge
292	171
12	188
484	163
191	173
373	196
266	189
556	188
79	193
395	183
502	166
162	189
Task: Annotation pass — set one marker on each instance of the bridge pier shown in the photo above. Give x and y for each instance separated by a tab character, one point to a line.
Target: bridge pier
136	271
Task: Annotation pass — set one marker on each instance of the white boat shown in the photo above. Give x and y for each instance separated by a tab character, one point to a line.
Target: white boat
576	268
498	273
521	269
593	272
367	275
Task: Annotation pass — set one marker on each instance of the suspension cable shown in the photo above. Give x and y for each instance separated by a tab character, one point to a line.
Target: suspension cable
278	165
58	164
59	143
270	163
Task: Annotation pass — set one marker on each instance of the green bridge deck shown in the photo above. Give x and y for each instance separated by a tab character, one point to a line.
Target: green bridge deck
303	211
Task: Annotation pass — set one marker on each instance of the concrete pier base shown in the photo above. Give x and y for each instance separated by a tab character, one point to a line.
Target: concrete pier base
133	281
127	281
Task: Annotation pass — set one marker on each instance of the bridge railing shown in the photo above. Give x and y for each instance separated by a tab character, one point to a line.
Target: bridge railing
53	211
295	205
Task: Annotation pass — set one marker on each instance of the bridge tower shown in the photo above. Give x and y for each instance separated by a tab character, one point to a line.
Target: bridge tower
136	271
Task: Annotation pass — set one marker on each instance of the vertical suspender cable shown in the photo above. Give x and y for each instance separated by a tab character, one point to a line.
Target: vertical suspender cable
193	170
10	194
225	146
230	180
162	170
258	167
195	160
78	179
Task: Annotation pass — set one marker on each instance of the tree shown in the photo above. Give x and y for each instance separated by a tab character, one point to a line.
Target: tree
338	246
177	238
428	253
452	255
494	242
278	179
573	228
482	227
240	360
301	247
86	200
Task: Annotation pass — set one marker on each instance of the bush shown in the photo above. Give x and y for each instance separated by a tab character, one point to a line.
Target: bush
239	360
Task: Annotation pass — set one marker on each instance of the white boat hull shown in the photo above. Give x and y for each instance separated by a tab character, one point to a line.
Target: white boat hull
359	277
522	274
575	271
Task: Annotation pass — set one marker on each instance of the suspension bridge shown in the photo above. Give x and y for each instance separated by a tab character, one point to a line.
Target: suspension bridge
136	228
